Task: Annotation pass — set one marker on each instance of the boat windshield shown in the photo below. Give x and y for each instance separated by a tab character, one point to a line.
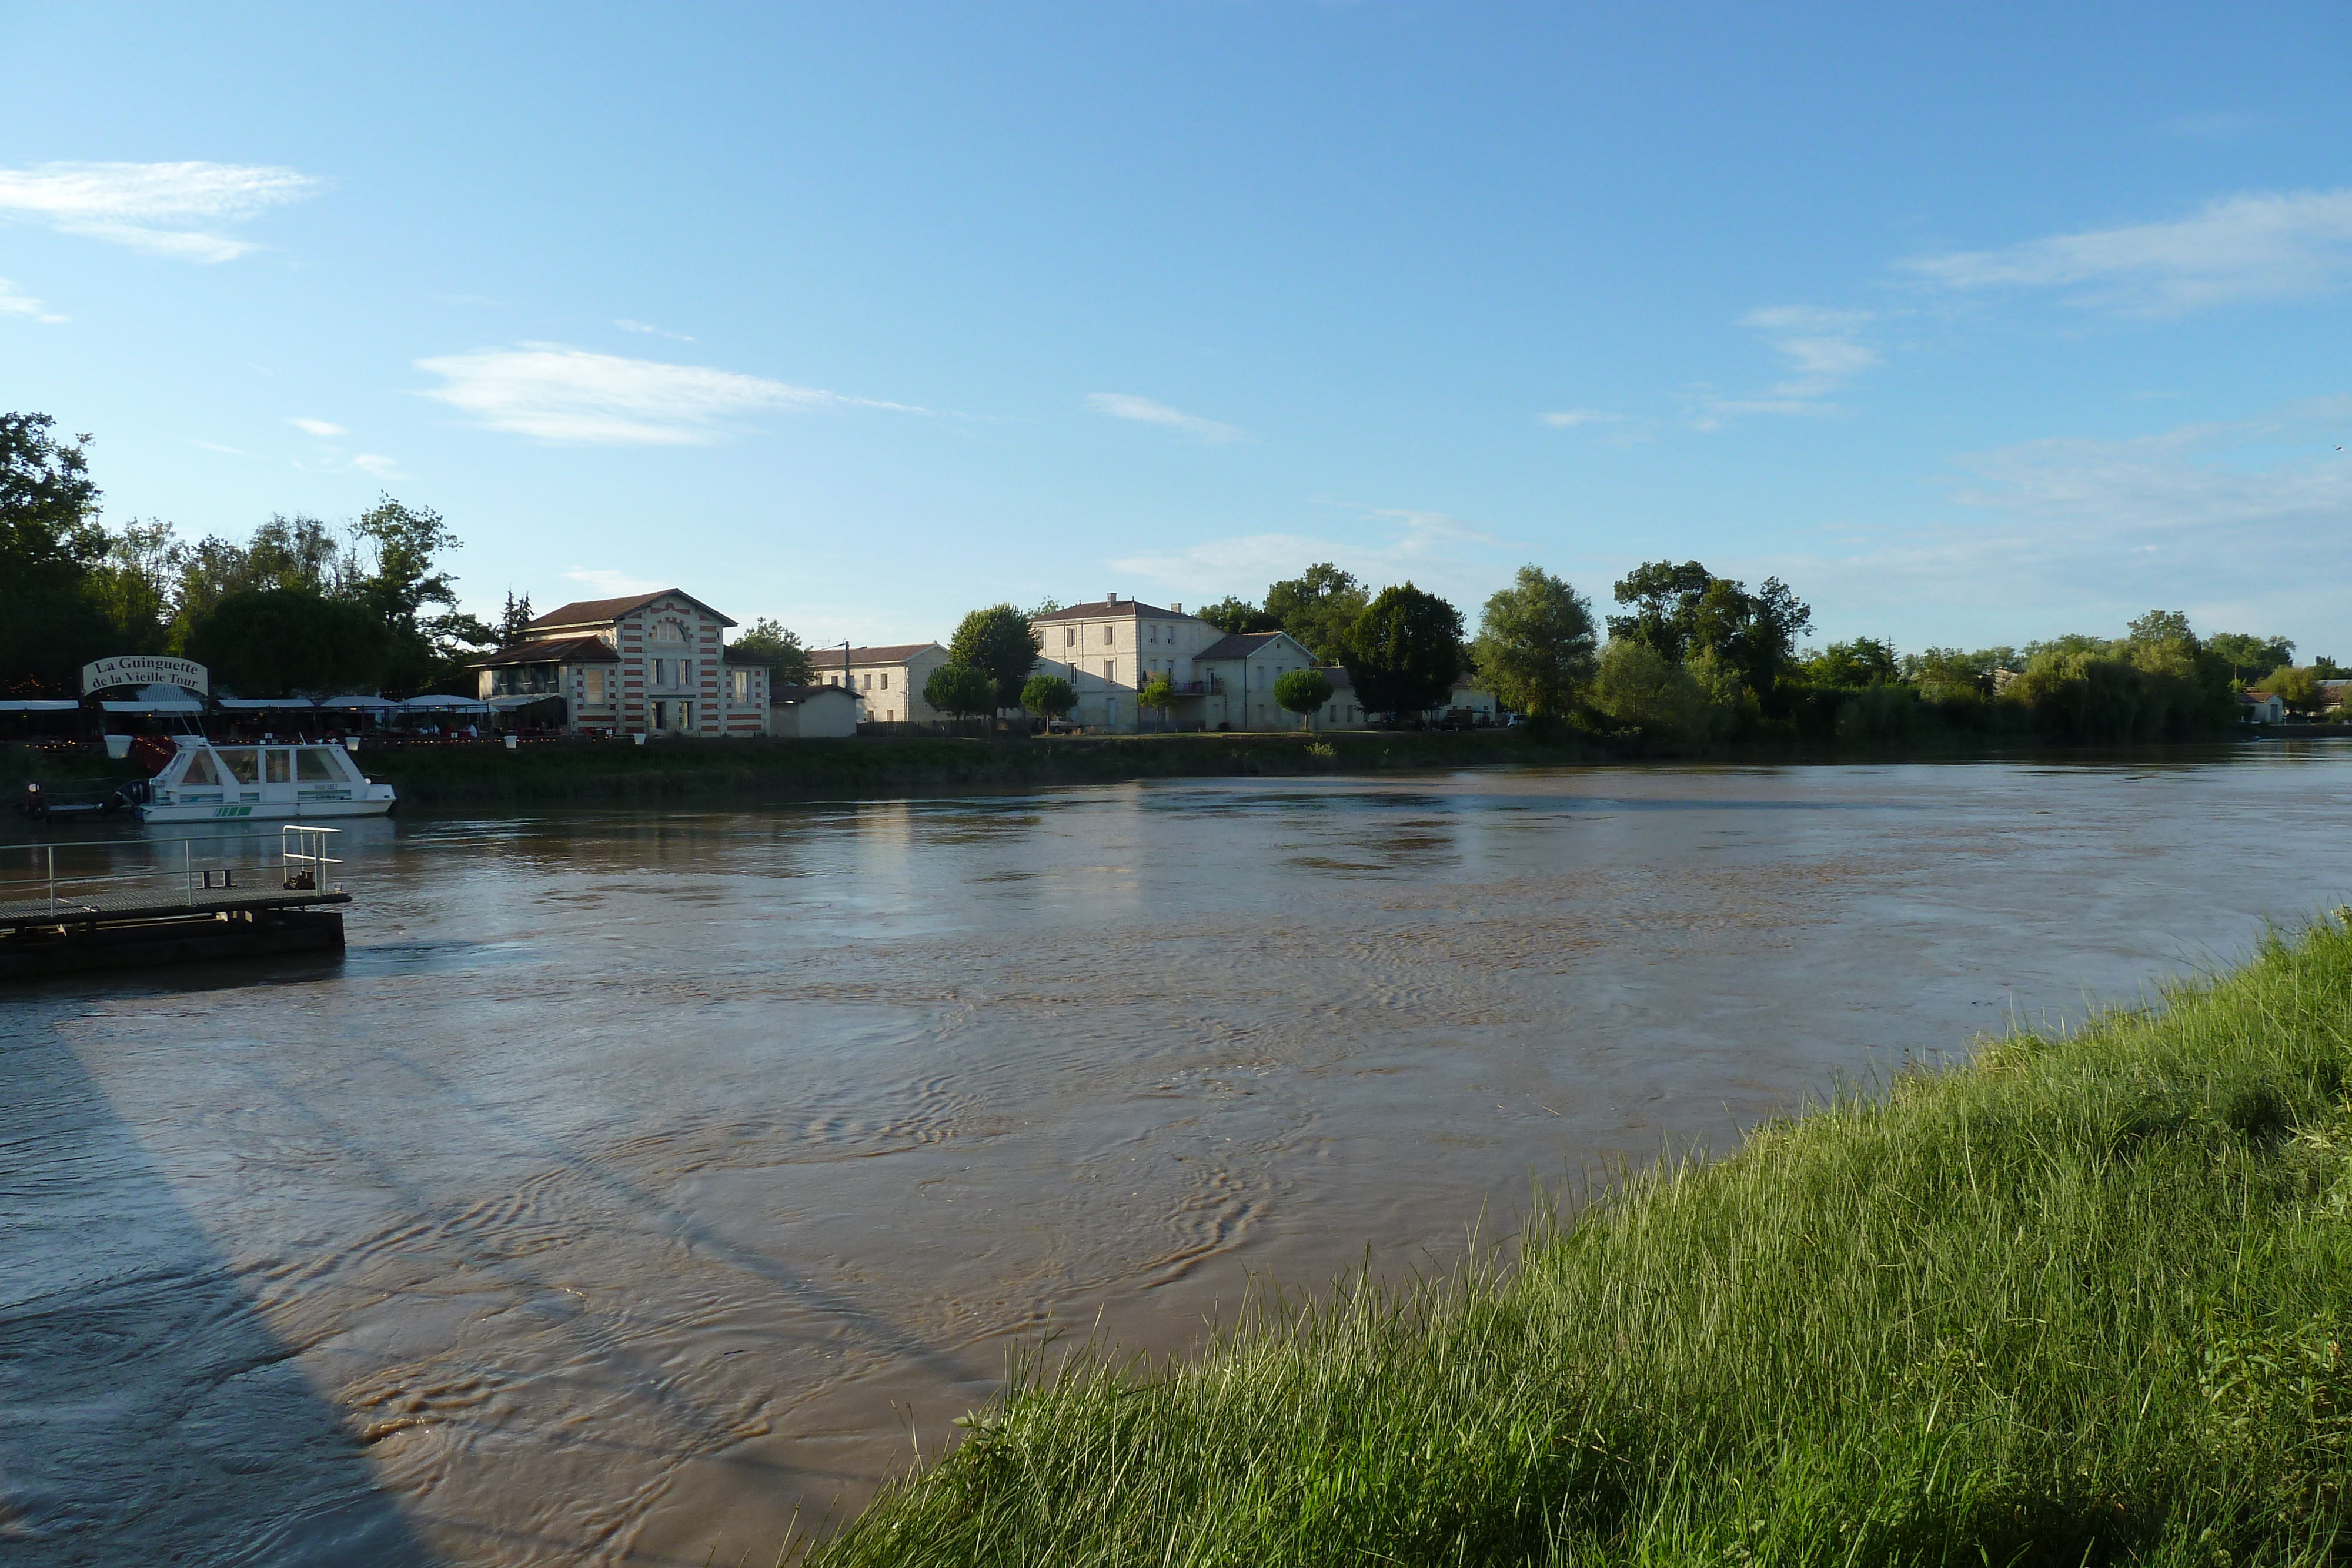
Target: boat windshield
243	762
201	769
312	765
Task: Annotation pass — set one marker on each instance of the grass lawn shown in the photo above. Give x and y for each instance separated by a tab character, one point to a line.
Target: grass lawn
2082	1301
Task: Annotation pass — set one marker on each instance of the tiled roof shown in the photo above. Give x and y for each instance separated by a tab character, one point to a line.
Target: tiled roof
1101	608
596	612
896	653
1341	681
1236	645
787	696
550	651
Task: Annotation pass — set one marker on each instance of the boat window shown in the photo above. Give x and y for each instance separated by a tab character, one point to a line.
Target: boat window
281	765
243	763
200	769
312	765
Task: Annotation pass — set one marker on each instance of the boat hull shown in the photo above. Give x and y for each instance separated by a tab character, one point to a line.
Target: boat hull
265	812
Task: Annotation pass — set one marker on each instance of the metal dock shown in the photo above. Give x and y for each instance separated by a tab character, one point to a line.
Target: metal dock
52	925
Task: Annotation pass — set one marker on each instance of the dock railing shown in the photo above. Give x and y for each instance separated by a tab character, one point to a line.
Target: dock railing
300	867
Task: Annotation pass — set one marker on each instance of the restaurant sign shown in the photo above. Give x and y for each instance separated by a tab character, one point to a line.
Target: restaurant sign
144	670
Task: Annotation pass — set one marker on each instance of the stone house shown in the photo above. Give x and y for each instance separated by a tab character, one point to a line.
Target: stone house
648	664
888	681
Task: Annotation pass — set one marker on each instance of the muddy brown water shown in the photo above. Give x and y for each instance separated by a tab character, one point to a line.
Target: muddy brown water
636	1182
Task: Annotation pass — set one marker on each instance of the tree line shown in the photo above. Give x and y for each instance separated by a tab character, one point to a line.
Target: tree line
294	609
1689	656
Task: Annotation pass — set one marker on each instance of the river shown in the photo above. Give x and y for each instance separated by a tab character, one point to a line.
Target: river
638	1184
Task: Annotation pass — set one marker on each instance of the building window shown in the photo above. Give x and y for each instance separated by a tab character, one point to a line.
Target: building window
1069	636
1110	671
740	682
1110	636
885	680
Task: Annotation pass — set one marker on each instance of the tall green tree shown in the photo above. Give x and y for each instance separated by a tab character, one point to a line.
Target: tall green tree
2299	689
1047	697
1865	661
1001	641
2249	656
1232	613
515	619
1302	692
1403	651
288	642
49	542
1684	610
786	656
1535	646
133	585
1316	608
1157	694
964	691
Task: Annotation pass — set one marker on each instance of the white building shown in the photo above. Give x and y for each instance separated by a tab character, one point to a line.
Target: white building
812	713
888	681
650	663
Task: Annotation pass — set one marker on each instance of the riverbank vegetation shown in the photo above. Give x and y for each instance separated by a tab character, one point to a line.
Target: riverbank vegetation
2084	1300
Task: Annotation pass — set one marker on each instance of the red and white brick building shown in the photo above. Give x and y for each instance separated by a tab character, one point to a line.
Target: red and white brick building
651	663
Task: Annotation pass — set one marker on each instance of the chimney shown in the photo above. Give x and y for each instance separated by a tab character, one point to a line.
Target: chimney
1111	599
1176	608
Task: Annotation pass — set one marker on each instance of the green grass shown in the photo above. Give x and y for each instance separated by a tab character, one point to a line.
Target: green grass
2083	1301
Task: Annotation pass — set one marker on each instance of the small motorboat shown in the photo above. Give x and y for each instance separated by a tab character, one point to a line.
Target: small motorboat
205	783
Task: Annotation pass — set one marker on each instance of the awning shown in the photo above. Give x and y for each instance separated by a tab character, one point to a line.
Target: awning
186	706
358	704
524	699
439	704
263	705
39	705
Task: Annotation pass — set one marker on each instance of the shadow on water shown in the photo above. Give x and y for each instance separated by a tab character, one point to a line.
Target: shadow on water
147	1413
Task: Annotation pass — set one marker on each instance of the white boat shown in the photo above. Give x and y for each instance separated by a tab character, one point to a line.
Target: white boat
206	783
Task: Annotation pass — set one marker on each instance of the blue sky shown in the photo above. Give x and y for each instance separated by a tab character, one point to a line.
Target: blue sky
1974	324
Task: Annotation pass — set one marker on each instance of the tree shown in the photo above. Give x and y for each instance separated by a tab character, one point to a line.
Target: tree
2299	689
281	642
2249	656
515	619
49	535
133	585
1048	696
1865	661
1158	694
1535	645
1403	651
1000	641
962	690
1316	608
792	662
1636	685
1681	610
1231	614
1302	692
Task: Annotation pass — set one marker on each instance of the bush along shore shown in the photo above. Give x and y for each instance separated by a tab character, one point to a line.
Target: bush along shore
2084	1300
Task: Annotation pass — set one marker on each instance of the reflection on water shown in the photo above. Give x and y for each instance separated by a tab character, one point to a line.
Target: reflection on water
635	1181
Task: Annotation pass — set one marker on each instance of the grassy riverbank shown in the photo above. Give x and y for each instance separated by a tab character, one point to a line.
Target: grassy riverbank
2086	1300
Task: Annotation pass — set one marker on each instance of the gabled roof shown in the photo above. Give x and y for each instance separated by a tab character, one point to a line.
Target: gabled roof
1241	644
1101	608
601	611
784	696
550	651
895	654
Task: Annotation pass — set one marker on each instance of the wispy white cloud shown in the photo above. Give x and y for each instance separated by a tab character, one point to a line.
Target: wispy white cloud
2216	125
1440	552
14	301
173	210
317	427
1125	405
648	326
1823	350
2077	534
1569	418
216	446
2259	245
374	463
613	584
560	393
